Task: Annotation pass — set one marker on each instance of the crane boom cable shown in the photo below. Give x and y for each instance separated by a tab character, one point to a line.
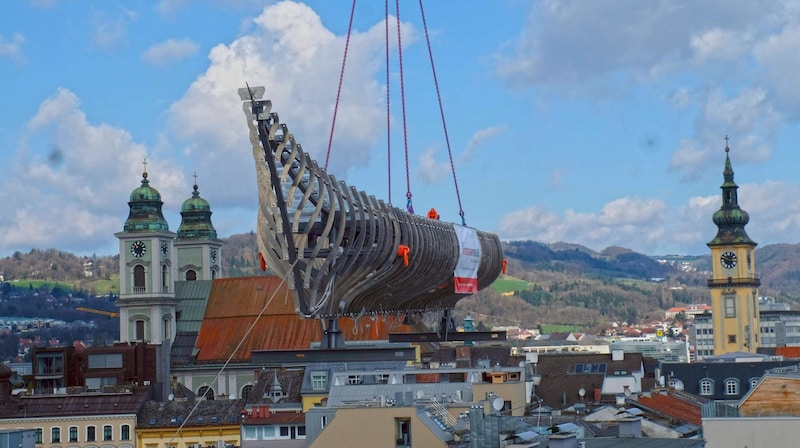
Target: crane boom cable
339	89
441	112
388	108
409	205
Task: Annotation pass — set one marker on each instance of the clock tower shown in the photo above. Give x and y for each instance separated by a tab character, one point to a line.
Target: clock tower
734	282
197	245
147	271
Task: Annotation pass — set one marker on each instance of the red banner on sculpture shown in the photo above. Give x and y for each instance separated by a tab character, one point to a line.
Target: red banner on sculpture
469	259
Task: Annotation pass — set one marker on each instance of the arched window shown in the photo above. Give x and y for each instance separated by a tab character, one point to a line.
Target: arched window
706	386
754	382
205	392
139	330
164	278
138	279
191	275
213	274
246	391
731	386
125	432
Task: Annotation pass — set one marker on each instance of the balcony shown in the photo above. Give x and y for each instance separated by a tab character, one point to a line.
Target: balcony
751	281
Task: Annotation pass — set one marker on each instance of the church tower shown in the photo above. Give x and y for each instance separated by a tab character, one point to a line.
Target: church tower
197	245
147	270
733	283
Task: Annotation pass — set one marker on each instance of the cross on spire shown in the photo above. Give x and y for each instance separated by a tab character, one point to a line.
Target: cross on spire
726	143
144	174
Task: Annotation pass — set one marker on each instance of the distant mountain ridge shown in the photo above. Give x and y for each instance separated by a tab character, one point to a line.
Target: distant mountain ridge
566	282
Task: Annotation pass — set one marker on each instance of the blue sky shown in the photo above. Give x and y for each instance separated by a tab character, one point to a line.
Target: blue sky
600	123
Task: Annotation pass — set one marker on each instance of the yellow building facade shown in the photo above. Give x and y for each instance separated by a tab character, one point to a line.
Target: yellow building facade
188	436
734	282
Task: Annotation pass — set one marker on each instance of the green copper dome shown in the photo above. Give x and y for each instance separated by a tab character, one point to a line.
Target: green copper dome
196	219
145	210
730	219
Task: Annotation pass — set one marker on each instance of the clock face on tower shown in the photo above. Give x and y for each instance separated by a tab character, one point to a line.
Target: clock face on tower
728	259
164	248
138	248
213	255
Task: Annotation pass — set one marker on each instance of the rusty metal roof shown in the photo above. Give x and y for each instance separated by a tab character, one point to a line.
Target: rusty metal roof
39	406
258	313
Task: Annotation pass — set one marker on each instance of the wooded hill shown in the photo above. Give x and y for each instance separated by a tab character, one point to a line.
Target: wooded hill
546	283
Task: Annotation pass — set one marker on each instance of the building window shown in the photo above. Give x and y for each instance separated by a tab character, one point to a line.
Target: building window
402	431
108	433
164	278
731	386
354	379
90	434
39	433
73	433
284	432
213	274
125	432
138	279
191	275
246	391
706	387
105	361
250	433
206	393
139	336
731	339
323	421
754	382
55	435
730	306
382	378
319	380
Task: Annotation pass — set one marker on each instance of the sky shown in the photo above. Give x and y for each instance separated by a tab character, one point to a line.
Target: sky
600	123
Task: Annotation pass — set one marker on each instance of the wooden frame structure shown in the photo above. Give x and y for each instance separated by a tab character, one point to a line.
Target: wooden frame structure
342	251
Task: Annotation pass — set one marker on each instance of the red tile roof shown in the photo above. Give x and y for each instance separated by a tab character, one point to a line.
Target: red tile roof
674	407
258	313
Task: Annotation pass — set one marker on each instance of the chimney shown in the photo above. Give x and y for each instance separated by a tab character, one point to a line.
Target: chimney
563	440
630	427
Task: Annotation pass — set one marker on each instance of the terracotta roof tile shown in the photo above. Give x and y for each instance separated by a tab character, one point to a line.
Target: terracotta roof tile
674	407
258	313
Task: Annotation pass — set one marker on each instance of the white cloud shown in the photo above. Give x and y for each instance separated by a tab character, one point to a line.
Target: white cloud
12	48
628	222
297	59
110	32
429	170
170	50
65	188
721	44
480	138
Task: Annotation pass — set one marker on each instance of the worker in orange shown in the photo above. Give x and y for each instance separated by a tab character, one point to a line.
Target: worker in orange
433	214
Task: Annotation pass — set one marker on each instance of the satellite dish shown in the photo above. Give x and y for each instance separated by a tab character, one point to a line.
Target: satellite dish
420	394
522	363
581	391
171	397
498	404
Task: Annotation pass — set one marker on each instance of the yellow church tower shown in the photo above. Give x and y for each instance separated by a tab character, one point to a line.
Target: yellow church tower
733	283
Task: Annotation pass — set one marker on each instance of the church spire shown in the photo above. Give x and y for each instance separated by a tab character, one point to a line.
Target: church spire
196	218
730	218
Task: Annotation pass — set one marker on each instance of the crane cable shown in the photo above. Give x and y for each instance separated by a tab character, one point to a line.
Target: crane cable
409	195
339	89
441	112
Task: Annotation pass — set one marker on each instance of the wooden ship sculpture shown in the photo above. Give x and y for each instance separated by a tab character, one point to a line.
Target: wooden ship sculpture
343	252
